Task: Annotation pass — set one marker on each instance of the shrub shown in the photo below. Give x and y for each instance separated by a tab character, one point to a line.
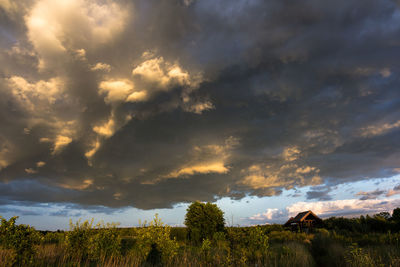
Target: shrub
105	242
85	241
327	249
257	240
157	235
77	240
356	256
53	238
256	243
203	220
19	238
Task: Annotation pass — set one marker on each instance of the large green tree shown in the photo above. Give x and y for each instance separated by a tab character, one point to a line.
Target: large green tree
203	220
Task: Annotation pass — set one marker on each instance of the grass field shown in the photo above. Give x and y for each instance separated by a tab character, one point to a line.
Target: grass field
156	244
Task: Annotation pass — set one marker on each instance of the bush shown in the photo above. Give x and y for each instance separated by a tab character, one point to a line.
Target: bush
19	238
327	250
356	256
203	220
53	238
257	240
155	236
105	242
77	240
84	241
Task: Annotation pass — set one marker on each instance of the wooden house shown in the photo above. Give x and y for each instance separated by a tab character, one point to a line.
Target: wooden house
303	221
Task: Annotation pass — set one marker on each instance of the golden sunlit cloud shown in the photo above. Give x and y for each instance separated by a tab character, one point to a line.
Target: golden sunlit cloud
76	185
116	90
60	142
164	75
93	150
379	129
40	164
106	129
213	167
291	153
30	171
260	176
106	96
56	26
101	66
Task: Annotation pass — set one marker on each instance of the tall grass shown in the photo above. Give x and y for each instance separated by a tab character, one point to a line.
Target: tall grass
156	244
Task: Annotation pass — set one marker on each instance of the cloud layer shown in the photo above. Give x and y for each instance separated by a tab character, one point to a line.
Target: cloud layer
153	103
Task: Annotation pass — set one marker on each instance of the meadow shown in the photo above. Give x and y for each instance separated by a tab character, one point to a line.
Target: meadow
363	241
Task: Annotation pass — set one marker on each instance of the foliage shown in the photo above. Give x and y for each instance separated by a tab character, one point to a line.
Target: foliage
154	244
77	240
85	241
105	241
158	234
396	215
20	239
53	238
203	220
381	222
355	256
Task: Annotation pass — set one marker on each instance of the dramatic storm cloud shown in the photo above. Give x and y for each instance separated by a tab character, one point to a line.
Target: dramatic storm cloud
148	104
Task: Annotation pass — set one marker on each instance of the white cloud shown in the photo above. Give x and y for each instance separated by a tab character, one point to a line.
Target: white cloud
269	214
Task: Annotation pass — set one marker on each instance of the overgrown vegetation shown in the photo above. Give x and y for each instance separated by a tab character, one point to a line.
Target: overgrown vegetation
364	241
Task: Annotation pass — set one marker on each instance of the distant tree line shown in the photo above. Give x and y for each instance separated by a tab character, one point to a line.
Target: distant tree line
381	222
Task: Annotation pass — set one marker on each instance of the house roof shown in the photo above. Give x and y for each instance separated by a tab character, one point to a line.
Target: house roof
301	217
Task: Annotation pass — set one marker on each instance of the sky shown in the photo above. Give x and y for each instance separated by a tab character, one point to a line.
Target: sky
117	110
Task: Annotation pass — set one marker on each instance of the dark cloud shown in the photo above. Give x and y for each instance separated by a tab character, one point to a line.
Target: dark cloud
371	195
19	211
195	101
320	193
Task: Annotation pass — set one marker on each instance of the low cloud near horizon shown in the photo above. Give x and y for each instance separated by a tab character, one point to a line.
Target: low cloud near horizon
148	104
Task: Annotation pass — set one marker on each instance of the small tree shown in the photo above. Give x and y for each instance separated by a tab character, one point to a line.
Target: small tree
203	220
